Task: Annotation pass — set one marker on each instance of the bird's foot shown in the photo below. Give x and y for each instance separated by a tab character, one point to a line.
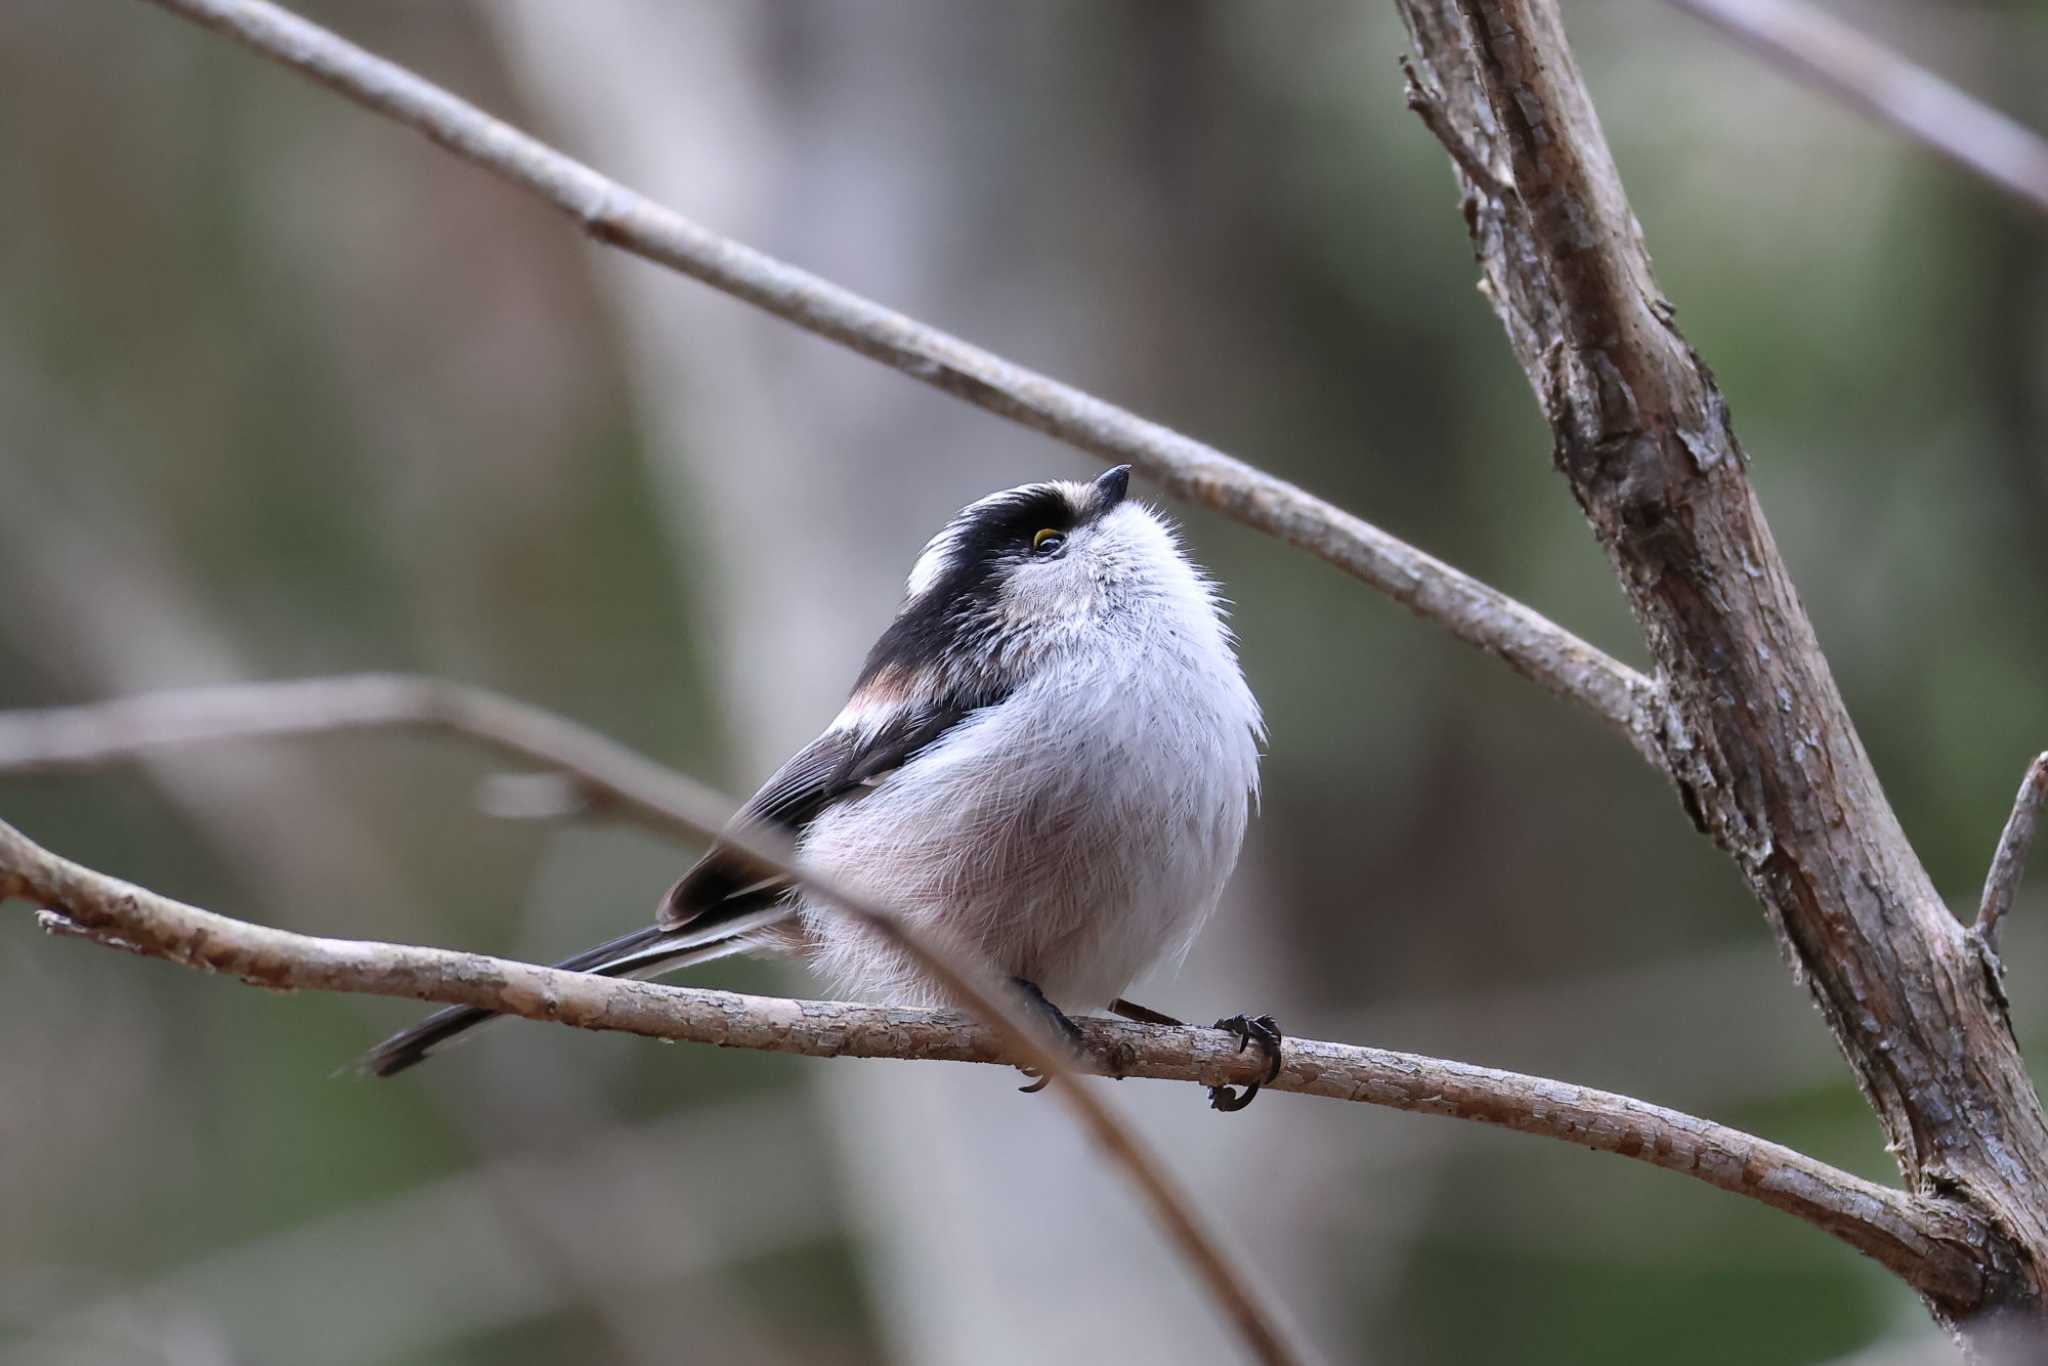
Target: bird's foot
1061	1024
1246	1029
1263	1028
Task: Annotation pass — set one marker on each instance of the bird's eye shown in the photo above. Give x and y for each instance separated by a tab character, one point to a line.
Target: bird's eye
1047	542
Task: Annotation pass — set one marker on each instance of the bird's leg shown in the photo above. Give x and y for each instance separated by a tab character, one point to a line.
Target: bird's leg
1260	1027
1035	1000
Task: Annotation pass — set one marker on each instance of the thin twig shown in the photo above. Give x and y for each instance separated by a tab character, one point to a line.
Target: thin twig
606	775
1428	106
617	778
1475	613
1840	59
1918	1240
2009	863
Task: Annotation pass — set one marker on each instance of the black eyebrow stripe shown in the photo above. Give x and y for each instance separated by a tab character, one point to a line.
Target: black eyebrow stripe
932	624
1023	513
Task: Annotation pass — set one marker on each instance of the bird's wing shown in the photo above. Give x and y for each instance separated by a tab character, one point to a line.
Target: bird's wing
726	885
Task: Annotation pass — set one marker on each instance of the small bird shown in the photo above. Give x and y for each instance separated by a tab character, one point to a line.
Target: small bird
1046	762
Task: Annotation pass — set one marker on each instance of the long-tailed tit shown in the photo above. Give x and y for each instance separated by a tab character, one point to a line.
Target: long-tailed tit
1045	762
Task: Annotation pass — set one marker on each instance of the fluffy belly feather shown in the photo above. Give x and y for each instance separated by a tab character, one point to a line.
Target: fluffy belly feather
1074	856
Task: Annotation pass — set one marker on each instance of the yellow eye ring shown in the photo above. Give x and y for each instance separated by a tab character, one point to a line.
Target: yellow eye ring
1047	541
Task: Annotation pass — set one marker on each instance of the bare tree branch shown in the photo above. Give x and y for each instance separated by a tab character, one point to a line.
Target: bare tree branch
613	776
1922	1241
2009	863
605	775
1765	756
1817	47
1475	613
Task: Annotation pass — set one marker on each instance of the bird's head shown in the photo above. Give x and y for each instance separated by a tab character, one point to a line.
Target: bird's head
1023	574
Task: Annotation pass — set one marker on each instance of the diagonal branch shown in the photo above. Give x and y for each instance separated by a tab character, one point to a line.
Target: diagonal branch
1475	613
2009	862
1922	1241
610	776
607	776
1755	732
1861	71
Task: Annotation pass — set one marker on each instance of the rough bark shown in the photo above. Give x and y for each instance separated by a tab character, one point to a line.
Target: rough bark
1754	730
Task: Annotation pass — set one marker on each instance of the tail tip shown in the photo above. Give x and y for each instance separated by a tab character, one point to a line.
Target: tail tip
387	1059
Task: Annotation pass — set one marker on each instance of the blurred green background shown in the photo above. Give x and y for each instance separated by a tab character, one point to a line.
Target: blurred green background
287	391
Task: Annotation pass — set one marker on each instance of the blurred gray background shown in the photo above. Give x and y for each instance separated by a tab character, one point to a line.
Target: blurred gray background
284	390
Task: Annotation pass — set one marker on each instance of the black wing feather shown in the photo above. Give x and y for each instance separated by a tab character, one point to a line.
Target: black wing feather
725	884
725	891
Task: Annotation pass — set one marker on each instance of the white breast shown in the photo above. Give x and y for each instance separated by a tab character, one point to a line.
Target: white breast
1073	835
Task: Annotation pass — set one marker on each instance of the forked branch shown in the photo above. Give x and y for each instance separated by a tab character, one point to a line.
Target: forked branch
1754	732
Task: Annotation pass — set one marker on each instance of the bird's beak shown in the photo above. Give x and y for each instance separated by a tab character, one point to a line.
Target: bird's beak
1111	487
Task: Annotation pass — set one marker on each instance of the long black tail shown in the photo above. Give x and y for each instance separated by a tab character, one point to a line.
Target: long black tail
641	953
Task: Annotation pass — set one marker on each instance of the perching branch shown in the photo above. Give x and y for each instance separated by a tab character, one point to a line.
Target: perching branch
2009	863
610	775
1922	1241
1475	613
1820	48
1755	733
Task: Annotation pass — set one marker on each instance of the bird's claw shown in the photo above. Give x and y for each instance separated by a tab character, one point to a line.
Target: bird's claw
1069	1032
1266	1030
